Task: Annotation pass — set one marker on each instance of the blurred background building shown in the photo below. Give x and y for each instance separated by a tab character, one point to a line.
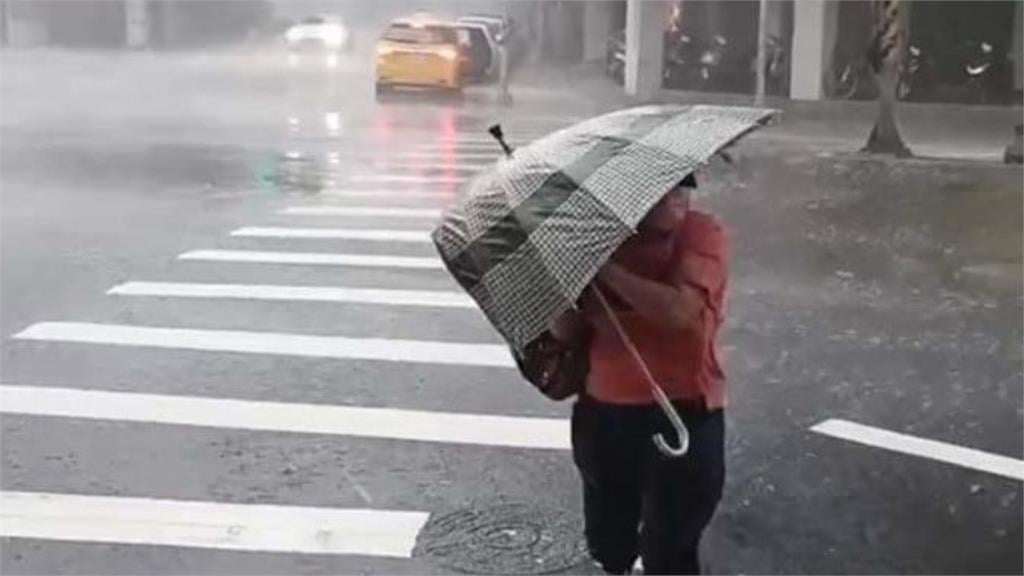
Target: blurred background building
959	51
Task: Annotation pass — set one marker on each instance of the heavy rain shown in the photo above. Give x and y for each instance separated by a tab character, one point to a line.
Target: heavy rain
273	295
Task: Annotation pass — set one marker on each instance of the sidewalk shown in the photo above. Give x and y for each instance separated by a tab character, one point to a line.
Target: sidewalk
977	133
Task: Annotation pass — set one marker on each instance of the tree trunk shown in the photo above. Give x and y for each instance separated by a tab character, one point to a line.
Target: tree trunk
886	55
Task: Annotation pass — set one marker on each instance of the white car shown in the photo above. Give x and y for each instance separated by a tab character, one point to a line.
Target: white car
501	30
491	68
499	25
319	32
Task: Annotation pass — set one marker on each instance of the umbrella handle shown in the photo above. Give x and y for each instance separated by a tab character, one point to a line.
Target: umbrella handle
659	395
498	135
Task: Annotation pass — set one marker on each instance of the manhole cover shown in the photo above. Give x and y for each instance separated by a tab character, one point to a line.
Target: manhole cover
503	539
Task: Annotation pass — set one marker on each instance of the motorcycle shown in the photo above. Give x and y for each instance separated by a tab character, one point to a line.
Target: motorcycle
855	79
713	66
615	57
681	58
972	72
775	72
984	73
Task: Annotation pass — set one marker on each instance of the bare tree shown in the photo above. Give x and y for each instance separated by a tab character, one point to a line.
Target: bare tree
885	55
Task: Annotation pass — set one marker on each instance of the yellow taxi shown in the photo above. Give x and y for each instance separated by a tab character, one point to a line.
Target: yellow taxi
420	52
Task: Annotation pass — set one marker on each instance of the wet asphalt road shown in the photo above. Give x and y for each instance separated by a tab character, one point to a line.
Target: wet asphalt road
887	294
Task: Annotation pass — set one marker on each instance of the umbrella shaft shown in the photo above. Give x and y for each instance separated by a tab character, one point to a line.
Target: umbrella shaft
659	394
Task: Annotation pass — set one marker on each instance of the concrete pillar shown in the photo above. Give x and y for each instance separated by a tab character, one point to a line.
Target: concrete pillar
137	23
1018	49
5	26
597	22
540	31
815	25
645	37
26	23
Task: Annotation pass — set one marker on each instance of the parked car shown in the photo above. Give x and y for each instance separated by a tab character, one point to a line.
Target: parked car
419	52
500	25
503	31
480	30
476	55
323	33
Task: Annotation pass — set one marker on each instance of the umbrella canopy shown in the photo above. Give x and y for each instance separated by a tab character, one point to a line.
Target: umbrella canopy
529	235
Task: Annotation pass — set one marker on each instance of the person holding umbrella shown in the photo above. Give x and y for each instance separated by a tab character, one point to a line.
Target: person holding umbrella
593	222
666	286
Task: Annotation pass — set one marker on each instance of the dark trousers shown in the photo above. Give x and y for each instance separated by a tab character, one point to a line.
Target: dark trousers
635	499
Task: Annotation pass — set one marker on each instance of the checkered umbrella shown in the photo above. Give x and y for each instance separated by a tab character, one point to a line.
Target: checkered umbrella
529	235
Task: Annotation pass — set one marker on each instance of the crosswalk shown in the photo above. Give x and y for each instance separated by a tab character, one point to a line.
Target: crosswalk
430	298
374	235
389	205
313	258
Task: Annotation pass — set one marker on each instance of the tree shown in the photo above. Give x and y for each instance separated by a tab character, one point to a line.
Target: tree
885	56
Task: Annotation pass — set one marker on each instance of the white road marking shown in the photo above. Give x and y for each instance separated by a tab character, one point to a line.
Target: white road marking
481	136
935	450
468	145
314	258
525	432
390	194
373	235
362	211
408	179
441	155
196	524
432	298
442	165
274	343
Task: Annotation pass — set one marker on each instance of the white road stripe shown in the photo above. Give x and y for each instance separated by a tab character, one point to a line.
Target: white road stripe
906	444
407	236
408	179
314	259
390	194
384	423
442	165
483	142
274	343
361	211
431	298
196	524
444	155
483	137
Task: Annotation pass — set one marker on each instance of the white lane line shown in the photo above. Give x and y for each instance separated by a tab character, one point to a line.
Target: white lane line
408	179
390	194
362	211
527	432
932	449
373	235
273	343
431	298
441	155
314	259
197	524
475	145
439	166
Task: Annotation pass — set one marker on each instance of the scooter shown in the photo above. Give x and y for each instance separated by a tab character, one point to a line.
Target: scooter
681	63
615	58
983	72
855	79
775	66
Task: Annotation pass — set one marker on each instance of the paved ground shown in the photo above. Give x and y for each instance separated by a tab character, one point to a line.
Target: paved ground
881	293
